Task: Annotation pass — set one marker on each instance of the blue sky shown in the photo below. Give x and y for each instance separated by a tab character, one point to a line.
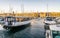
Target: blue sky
31	5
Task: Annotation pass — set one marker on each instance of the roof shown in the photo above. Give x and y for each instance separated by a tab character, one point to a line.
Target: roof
55	27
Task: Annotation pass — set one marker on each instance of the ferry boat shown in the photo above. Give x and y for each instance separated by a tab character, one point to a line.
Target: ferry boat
54	31
11	22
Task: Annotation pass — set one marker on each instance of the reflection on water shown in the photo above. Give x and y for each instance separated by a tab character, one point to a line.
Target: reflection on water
24	32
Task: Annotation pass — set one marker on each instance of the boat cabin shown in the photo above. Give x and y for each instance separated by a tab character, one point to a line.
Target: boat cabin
10	20
54	31
50	18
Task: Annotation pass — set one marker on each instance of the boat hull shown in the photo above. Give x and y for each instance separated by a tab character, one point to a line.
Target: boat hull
15	27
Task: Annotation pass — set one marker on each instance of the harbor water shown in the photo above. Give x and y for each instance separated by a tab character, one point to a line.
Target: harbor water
34	30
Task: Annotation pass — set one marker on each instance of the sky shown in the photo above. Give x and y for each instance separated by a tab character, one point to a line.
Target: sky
30	5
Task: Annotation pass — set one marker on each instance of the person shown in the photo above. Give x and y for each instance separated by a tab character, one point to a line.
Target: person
9	22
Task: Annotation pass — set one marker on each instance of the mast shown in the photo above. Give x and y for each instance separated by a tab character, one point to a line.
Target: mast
47	14
22	6
11	11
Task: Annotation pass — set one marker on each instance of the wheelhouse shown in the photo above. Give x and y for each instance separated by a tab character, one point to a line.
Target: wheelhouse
10	20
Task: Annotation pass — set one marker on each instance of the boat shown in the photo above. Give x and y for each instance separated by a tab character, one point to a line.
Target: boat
57	20
1	20
49	21
12	22
54	31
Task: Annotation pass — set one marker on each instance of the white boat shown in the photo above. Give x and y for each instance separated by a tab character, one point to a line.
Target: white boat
54	31
57	19
1	20
49	21
11	22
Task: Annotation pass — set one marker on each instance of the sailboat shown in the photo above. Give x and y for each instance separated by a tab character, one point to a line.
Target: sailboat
49	19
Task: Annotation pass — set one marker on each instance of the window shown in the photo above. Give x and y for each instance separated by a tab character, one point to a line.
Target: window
56	34
10	19
49	18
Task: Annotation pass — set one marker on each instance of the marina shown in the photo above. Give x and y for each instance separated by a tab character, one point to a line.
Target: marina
29	18
25	27
29	27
